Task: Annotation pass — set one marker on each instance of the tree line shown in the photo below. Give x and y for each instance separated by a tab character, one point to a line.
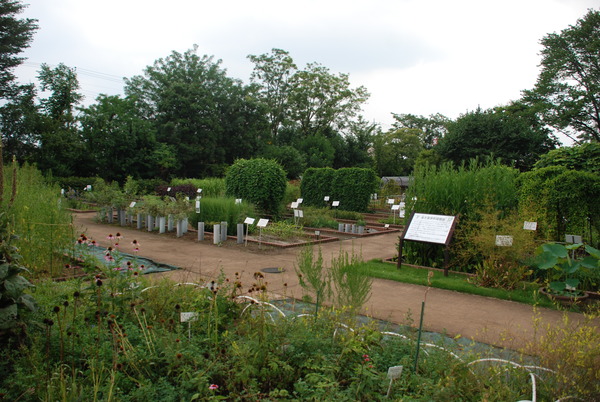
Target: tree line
183	116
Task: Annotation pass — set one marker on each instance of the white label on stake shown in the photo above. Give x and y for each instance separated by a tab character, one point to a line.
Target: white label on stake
335	204
294	205
391	201
298	213
395	207
300	200
132	204
394	372
191	316
262	223
529	225
199	190
504	241
238	201
168	189
249	221
326	198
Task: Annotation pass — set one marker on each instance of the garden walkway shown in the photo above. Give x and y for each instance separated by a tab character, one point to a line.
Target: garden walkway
496	322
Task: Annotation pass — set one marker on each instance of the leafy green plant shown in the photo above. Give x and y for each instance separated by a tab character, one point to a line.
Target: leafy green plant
259	181
13	299
565	261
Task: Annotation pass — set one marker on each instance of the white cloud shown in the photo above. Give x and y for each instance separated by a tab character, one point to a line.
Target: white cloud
413	56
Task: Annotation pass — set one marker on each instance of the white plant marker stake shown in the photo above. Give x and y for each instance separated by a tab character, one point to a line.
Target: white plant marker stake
248	221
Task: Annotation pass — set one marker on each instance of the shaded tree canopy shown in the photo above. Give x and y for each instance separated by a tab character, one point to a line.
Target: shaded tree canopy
567	91
15	35
502	133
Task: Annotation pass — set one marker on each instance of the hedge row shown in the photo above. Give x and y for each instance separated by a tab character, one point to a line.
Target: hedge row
352	187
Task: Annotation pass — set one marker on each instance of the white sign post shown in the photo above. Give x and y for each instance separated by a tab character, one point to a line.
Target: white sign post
262	223
248	221
428	228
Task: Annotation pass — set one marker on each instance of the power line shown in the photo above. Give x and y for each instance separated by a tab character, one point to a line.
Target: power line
82	71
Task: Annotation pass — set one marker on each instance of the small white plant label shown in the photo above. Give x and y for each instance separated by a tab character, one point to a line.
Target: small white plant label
199	190
300	200
335	204
168	189
504	241
132	204
529	225
395	207
294	205
298	213
262	223
188	317
394	372
238	201
249	221
391	201
326	198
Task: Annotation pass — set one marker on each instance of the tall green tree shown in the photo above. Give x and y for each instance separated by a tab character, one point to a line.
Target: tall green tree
568	88
500	132
396	151
61	146
198	111
320	100
271	76
432	128
19	124
118	142
16	34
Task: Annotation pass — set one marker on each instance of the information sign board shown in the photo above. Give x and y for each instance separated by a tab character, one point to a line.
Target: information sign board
430	228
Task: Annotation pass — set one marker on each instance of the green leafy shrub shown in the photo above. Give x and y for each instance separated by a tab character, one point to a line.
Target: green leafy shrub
259	181
562	201
352	187
13	299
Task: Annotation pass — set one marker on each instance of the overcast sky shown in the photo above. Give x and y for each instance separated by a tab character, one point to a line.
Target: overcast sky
413	56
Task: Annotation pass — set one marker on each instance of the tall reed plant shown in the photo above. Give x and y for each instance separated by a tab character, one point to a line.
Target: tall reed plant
211	187
469	192
40	218
215	210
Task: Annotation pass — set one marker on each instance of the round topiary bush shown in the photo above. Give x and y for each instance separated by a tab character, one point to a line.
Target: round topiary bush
259	181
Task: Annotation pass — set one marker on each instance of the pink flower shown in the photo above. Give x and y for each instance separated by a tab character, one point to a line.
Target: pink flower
213	387
110	237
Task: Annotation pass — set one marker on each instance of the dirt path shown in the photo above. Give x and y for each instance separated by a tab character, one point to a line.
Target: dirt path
488	320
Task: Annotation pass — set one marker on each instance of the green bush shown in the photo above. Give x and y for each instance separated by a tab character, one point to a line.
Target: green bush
259	181
352	187
562	201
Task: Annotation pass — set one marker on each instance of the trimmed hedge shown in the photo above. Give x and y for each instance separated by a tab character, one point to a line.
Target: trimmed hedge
352	187
259	181
564	201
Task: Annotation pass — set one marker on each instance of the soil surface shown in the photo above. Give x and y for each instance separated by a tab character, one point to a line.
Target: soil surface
483	319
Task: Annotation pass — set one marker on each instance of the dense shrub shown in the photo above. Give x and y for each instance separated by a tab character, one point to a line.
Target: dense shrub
562	201
352	187
259	181
317	184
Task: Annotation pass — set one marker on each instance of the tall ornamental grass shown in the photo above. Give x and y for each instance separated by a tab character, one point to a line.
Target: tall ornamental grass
211	187
467	192
463	191
216	210
39	217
